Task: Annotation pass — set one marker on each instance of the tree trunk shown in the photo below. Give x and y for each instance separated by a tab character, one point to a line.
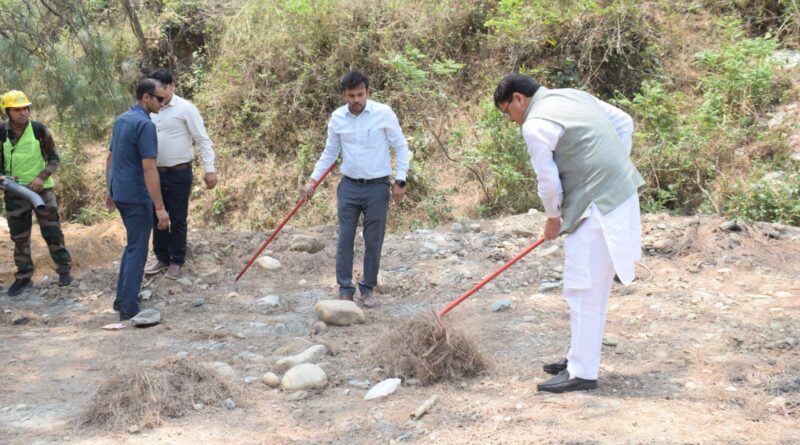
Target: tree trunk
146	63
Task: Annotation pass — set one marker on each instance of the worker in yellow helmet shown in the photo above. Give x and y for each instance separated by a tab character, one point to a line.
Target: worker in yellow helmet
29	155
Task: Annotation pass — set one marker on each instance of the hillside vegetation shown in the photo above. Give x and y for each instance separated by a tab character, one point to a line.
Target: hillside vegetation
706	81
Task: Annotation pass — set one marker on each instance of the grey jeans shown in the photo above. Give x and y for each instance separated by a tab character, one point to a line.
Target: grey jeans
353	200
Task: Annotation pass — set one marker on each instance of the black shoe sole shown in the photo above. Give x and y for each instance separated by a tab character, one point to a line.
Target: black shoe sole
584	386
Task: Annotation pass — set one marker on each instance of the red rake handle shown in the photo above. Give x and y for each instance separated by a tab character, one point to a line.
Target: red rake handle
494	274
283	223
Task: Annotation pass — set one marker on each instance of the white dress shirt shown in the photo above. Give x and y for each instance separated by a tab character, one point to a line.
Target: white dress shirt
179	124
621	227
364	141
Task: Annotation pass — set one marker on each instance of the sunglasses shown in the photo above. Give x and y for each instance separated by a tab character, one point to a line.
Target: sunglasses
160	99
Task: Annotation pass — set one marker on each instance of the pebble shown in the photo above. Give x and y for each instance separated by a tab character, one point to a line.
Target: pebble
197	302
269	301
250	379
548	250
297	396
19	319
546	286
691	386
229	403
319	327
133	429
501	306
269	263
611	340
198	406
146	294
776	404
271	380
662	244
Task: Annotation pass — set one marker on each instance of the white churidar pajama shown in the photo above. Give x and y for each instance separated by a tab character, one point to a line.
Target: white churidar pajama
601	246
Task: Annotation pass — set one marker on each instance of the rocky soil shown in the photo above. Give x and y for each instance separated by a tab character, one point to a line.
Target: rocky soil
704	348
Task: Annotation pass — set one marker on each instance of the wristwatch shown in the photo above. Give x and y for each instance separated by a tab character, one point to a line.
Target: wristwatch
401	184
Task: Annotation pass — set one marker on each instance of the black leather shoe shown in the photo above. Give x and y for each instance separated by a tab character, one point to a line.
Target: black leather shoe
562	383
64	279
19	285
555	368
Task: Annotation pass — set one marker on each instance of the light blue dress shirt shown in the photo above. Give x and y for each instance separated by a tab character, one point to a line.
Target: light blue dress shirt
364	141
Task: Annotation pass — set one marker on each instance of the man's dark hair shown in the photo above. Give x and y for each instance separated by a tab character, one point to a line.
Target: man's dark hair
514	83
354	79
146	86
162	75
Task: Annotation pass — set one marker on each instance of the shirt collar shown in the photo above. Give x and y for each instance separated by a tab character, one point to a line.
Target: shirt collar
367	109
538	94
173	102
138	108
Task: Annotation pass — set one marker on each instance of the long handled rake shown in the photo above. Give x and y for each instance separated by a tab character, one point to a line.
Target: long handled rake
283	223
483	282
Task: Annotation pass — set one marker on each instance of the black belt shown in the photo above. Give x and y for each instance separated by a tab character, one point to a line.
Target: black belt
183	166
384	179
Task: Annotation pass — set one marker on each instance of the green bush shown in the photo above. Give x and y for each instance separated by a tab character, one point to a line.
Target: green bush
682	153
763	196
500	159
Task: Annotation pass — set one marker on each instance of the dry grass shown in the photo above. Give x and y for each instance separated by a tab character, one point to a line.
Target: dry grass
148	394
419	348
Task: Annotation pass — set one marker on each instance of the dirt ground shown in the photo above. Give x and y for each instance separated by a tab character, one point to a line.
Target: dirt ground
702	349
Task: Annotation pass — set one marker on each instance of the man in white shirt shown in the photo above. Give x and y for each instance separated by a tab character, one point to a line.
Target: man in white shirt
179	126
580	150
363	131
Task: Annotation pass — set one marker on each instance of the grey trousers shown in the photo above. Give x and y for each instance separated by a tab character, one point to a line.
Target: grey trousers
353	200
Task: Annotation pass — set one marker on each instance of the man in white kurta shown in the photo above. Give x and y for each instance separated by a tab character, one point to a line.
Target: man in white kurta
580	150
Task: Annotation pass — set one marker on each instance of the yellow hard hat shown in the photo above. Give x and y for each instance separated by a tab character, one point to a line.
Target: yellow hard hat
15	99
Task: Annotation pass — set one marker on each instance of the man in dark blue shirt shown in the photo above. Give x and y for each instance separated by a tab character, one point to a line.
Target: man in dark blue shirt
134	189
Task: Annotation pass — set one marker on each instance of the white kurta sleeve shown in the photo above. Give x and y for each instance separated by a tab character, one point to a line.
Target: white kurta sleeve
541	137
622	122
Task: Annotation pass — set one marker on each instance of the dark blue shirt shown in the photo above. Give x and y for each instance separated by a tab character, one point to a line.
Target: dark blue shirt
132	139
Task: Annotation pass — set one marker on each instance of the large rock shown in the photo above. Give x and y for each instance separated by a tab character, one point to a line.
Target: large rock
305	243
310	355
147	317
220	368
269	263
295	346
339	312
304	376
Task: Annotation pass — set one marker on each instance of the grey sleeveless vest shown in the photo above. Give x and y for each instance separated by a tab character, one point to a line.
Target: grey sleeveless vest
592	163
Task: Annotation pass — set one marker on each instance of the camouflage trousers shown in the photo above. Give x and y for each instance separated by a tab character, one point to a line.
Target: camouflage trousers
20	219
